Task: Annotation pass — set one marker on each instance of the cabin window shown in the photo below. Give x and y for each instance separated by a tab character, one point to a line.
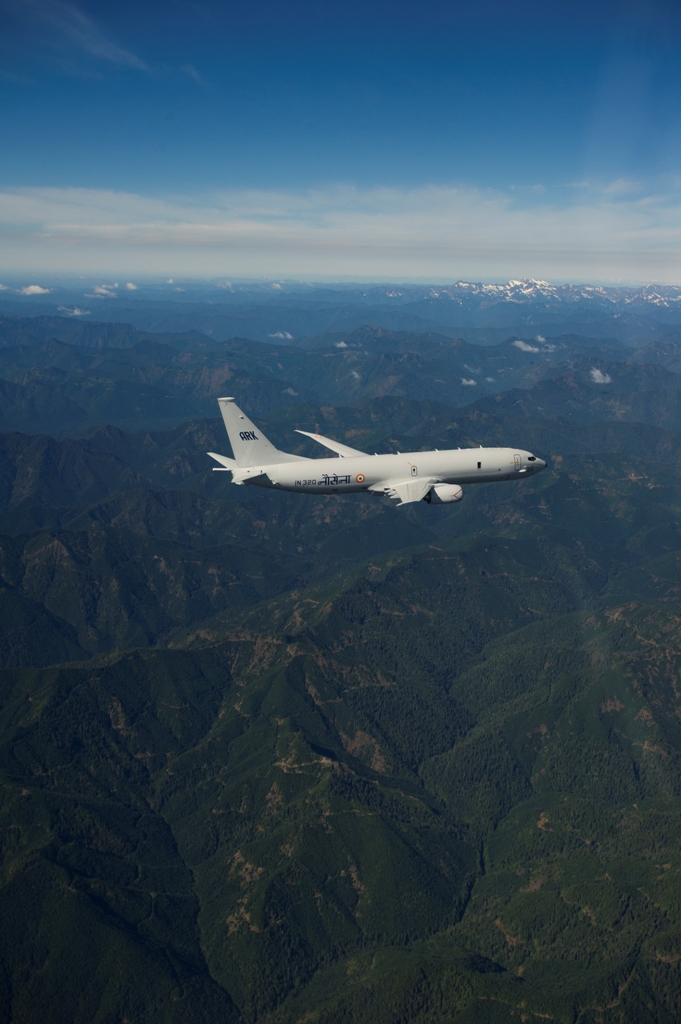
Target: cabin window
480	465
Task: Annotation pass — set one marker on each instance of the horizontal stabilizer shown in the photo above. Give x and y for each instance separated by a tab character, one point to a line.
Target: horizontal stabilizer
223	460
342	449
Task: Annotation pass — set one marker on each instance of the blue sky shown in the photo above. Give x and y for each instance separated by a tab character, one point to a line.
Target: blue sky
374	140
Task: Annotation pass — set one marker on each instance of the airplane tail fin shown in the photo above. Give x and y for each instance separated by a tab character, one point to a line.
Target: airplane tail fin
249	444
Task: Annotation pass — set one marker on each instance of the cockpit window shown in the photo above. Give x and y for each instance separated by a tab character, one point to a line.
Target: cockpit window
531	458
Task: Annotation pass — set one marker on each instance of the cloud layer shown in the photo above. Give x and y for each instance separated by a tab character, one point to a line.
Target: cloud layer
620	232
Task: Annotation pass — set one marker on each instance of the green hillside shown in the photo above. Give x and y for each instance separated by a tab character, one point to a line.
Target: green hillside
272	758
444	827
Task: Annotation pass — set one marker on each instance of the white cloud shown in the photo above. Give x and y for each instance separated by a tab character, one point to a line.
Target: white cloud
276	287
104	291
621	187
344	231
131	287
4	288
281	334
170	281
76	311
468	383
33	289
598	377
341	344
540	337
524	347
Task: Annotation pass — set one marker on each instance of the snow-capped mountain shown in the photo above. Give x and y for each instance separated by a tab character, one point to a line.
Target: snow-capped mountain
478	312
535	306
529	291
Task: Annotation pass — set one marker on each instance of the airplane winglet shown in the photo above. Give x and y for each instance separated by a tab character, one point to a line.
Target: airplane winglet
343	450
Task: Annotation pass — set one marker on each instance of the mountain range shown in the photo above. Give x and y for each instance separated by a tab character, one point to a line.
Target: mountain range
275	311
58	376
272	758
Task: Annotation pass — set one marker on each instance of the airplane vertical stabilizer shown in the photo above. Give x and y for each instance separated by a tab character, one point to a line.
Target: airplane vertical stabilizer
249	444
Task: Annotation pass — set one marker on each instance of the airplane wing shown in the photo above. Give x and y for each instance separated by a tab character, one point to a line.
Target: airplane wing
342	449
406	490
223	460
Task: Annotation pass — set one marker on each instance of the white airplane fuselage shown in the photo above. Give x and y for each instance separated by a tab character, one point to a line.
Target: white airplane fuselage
366	472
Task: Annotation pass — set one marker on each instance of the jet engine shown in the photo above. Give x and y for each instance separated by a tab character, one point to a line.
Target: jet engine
442	494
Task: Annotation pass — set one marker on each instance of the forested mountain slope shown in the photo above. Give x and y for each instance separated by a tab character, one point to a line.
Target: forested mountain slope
58	377
281	758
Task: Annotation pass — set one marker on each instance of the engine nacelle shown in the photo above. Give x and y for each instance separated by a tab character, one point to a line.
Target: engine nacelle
443	494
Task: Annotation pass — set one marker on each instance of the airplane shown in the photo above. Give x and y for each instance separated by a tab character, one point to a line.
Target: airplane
434	476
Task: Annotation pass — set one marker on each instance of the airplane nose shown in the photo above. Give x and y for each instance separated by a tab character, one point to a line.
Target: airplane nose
541	464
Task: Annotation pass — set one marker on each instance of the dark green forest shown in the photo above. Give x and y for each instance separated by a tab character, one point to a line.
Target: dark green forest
283	759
